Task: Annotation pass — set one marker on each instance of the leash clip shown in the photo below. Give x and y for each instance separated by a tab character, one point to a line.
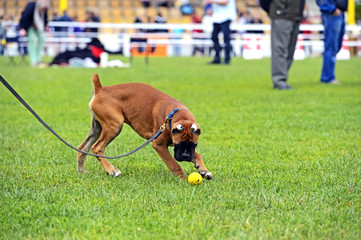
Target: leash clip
162	127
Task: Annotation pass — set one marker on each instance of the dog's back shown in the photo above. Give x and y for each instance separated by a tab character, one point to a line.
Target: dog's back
131	99
126	91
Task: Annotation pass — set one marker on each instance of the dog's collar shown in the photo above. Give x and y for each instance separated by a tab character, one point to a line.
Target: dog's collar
170	116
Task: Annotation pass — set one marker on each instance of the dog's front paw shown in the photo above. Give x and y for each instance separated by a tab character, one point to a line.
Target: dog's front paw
114	173
206	174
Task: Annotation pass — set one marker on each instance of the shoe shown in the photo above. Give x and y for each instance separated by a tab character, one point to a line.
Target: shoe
283	87
214	62
333	82
42	65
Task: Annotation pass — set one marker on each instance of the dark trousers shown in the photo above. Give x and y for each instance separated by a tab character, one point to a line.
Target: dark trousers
224	28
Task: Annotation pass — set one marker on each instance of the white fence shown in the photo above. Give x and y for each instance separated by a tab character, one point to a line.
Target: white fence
181	40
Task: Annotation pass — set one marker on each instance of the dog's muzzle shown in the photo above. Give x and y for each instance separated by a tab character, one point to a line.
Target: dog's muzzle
184	151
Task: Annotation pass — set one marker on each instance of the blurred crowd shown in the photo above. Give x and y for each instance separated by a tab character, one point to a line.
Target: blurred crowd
196	11
9	28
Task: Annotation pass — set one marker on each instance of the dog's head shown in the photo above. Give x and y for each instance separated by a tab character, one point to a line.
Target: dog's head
185	139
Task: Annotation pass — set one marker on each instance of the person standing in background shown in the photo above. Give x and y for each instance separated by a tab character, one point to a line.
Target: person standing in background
2	36
223	13
333	21
33	23
286	16
91	17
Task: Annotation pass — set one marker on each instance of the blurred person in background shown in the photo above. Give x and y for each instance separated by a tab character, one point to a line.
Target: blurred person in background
62	32
223	13
93	50
91	17
11	32
244	18
145	3
160	20
2	36
65	18
255	20
333	20
141	40
197	48
33	23
163	3
286	18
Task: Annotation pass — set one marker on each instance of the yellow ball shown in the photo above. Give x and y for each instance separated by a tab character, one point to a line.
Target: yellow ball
195	178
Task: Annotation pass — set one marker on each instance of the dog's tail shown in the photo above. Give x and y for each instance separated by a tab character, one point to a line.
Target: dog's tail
96	83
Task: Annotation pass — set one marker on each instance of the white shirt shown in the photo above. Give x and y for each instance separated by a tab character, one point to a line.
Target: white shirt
222	13
207	24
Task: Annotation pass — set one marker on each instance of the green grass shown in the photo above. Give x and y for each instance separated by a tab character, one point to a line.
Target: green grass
286	164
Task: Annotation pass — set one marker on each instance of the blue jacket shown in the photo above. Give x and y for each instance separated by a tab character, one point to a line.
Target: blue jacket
27	16
329	6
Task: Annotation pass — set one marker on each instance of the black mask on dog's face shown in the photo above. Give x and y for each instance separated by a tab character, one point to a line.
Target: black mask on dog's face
185	139
184	151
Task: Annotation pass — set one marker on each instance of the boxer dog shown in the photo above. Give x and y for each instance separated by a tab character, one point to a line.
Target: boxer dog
144	109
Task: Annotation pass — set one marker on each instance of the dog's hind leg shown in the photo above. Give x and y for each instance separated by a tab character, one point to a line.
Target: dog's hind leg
92	137
110	129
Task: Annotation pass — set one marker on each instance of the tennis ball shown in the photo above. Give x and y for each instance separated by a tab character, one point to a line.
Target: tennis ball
195	178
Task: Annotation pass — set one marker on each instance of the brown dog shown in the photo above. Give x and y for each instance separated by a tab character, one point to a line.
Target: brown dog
144	109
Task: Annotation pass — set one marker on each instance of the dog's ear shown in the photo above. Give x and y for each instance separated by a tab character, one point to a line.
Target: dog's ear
195	130
178	129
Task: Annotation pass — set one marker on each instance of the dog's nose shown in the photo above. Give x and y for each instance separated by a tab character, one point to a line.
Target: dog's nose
185	155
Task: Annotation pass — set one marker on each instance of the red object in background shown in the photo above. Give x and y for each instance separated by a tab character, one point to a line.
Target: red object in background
96	51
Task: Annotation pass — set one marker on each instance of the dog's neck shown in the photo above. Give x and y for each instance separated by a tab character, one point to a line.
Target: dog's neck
186	115
170	115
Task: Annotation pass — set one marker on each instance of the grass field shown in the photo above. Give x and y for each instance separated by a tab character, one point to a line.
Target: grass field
286	164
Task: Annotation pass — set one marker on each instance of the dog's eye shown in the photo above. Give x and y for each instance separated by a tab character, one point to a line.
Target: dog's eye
197	132
195	129
178	129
